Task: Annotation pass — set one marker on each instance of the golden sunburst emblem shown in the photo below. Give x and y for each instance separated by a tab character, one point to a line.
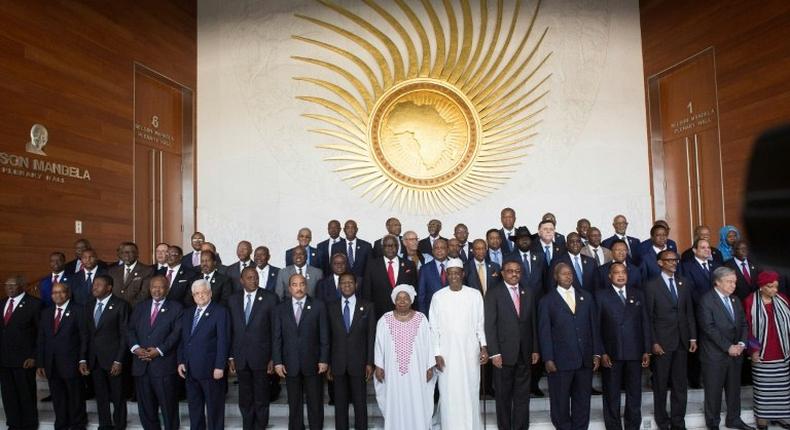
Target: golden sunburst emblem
441	124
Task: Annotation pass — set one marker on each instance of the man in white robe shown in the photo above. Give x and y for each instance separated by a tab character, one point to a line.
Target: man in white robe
459	342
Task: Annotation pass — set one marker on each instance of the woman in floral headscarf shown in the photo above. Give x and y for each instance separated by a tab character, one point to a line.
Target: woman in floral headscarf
728	235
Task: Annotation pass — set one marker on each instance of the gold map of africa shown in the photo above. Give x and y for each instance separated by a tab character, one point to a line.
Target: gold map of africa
423	135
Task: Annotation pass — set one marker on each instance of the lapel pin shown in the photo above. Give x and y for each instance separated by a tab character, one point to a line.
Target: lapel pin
581	298
260	298
361	308
109	307
21	305
534	257
162	310
68	313
631	301
522	292
205	314
308	306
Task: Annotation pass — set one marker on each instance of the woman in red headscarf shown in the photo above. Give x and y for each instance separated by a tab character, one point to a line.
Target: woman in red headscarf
768	315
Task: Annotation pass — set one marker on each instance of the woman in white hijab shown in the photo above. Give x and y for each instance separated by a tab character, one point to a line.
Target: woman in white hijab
404	365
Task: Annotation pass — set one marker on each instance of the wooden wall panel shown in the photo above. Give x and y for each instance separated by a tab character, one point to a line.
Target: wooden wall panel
70	66
752	45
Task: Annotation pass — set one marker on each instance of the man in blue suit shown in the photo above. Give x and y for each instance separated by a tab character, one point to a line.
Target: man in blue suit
301	352
625	334
202	355
570	344
267	274
303	238
154	333
433	276
585	273
649	250
82	283
325	246
620	224
355	249
620	255
57	267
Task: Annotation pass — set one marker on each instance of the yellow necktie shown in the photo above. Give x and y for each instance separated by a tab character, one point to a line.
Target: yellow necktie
481	274
570	300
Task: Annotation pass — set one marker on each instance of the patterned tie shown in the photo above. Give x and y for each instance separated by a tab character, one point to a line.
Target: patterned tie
597	258
300	270
350	255
206	277
481	275
516	299
525	260
728	305
570	300
196	319
673	290
9	310
443	275
154	313
54	279
248	309
97	313
577	266
746	274
622	295
56	323
298	314
169	276
547	251
391	274
347	317
126	275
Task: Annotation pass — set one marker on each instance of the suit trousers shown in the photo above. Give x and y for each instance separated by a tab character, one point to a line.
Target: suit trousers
511	391
18	390
693	369
155	394
722	375
299	387
254	387
487	379
67	401
570	392
206	399
671	365
628	373
109	389
356	386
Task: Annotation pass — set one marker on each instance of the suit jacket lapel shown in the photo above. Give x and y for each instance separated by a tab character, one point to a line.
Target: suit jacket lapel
107	307
203	316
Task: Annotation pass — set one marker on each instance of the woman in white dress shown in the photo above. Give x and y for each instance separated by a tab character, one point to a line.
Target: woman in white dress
404	365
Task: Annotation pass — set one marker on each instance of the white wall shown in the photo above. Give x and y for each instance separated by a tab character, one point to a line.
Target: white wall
261	176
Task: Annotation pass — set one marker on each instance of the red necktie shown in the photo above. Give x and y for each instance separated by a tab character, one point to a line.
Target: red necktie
391	274
443	275
56	323
516	299
746	275
8	311
154	313
169	276
54	279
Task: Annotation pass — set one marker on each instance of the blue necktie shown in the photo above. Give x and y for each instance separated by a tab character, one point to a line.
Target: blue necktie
347	317
672	289
527	269
622	295
547	250
578	268
97	313
195	320
89	280
728	305
350	255
248	309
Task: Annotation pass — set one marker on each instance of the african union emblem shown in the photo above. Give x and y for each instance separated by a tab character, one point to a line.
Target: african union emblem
440	120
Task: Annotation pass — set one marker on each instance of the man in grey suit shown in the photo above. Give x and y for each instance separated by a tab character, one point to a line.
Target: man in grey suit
311	274
723	334
594	250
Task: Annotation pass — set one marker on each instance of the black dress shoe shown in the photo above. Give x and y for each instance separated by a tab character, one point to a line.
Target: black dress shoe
47	399
596	392
740	425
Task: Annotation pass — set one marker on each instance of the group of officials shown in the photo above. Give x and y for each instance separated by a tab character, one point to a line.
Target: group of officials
502	311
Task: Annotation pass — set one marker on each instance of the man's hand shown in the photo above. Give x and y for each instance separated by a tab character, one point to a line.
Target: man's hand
551	367
657	349
141	353
429	374
182	371
535	358
735	350
483	355
439	363
606	361
693	346
218	373
29	363
41	373
645	360
329	376
270	367
755	357
84	371
497	361
280	370
152	353
322	368
368	372
596	363
379	373
232	366
116	368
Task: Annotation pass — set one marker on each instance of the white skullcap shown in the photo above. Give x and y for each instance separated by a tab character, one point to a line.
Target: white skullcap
408	289
454	262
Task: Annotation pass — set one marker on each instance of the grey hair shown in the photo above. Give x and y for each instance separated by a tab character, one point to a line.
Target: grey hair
200	283
721	272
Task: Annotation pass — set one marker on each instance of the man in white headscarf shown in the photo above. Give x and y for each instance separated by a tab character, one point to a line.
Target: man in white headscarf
459	343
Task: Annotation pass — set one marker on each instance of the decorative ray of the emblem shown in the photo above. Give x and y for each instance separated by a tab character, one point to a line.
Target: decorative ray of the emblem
440	124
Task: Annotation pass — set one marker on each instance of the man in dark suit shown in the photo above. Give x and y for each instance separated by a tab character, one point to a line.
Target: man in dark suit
511	331
220	283
58	274
154	334
301	353
481	273
192	260
461	233
178	277
723	335
202	356
583	228
571	347
328	288
62	334
352	329
674	334
745	269
75	266
107	316
620	255
243	252
433	276
267	274
355	249
494	243
325	246
393	227
82	283
545	241
703	232
532	263
385	273
649	250
18	331
160	258
303	239
620	224
425	246
585	274
625	335
508	219
252	312
555	238
131	279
